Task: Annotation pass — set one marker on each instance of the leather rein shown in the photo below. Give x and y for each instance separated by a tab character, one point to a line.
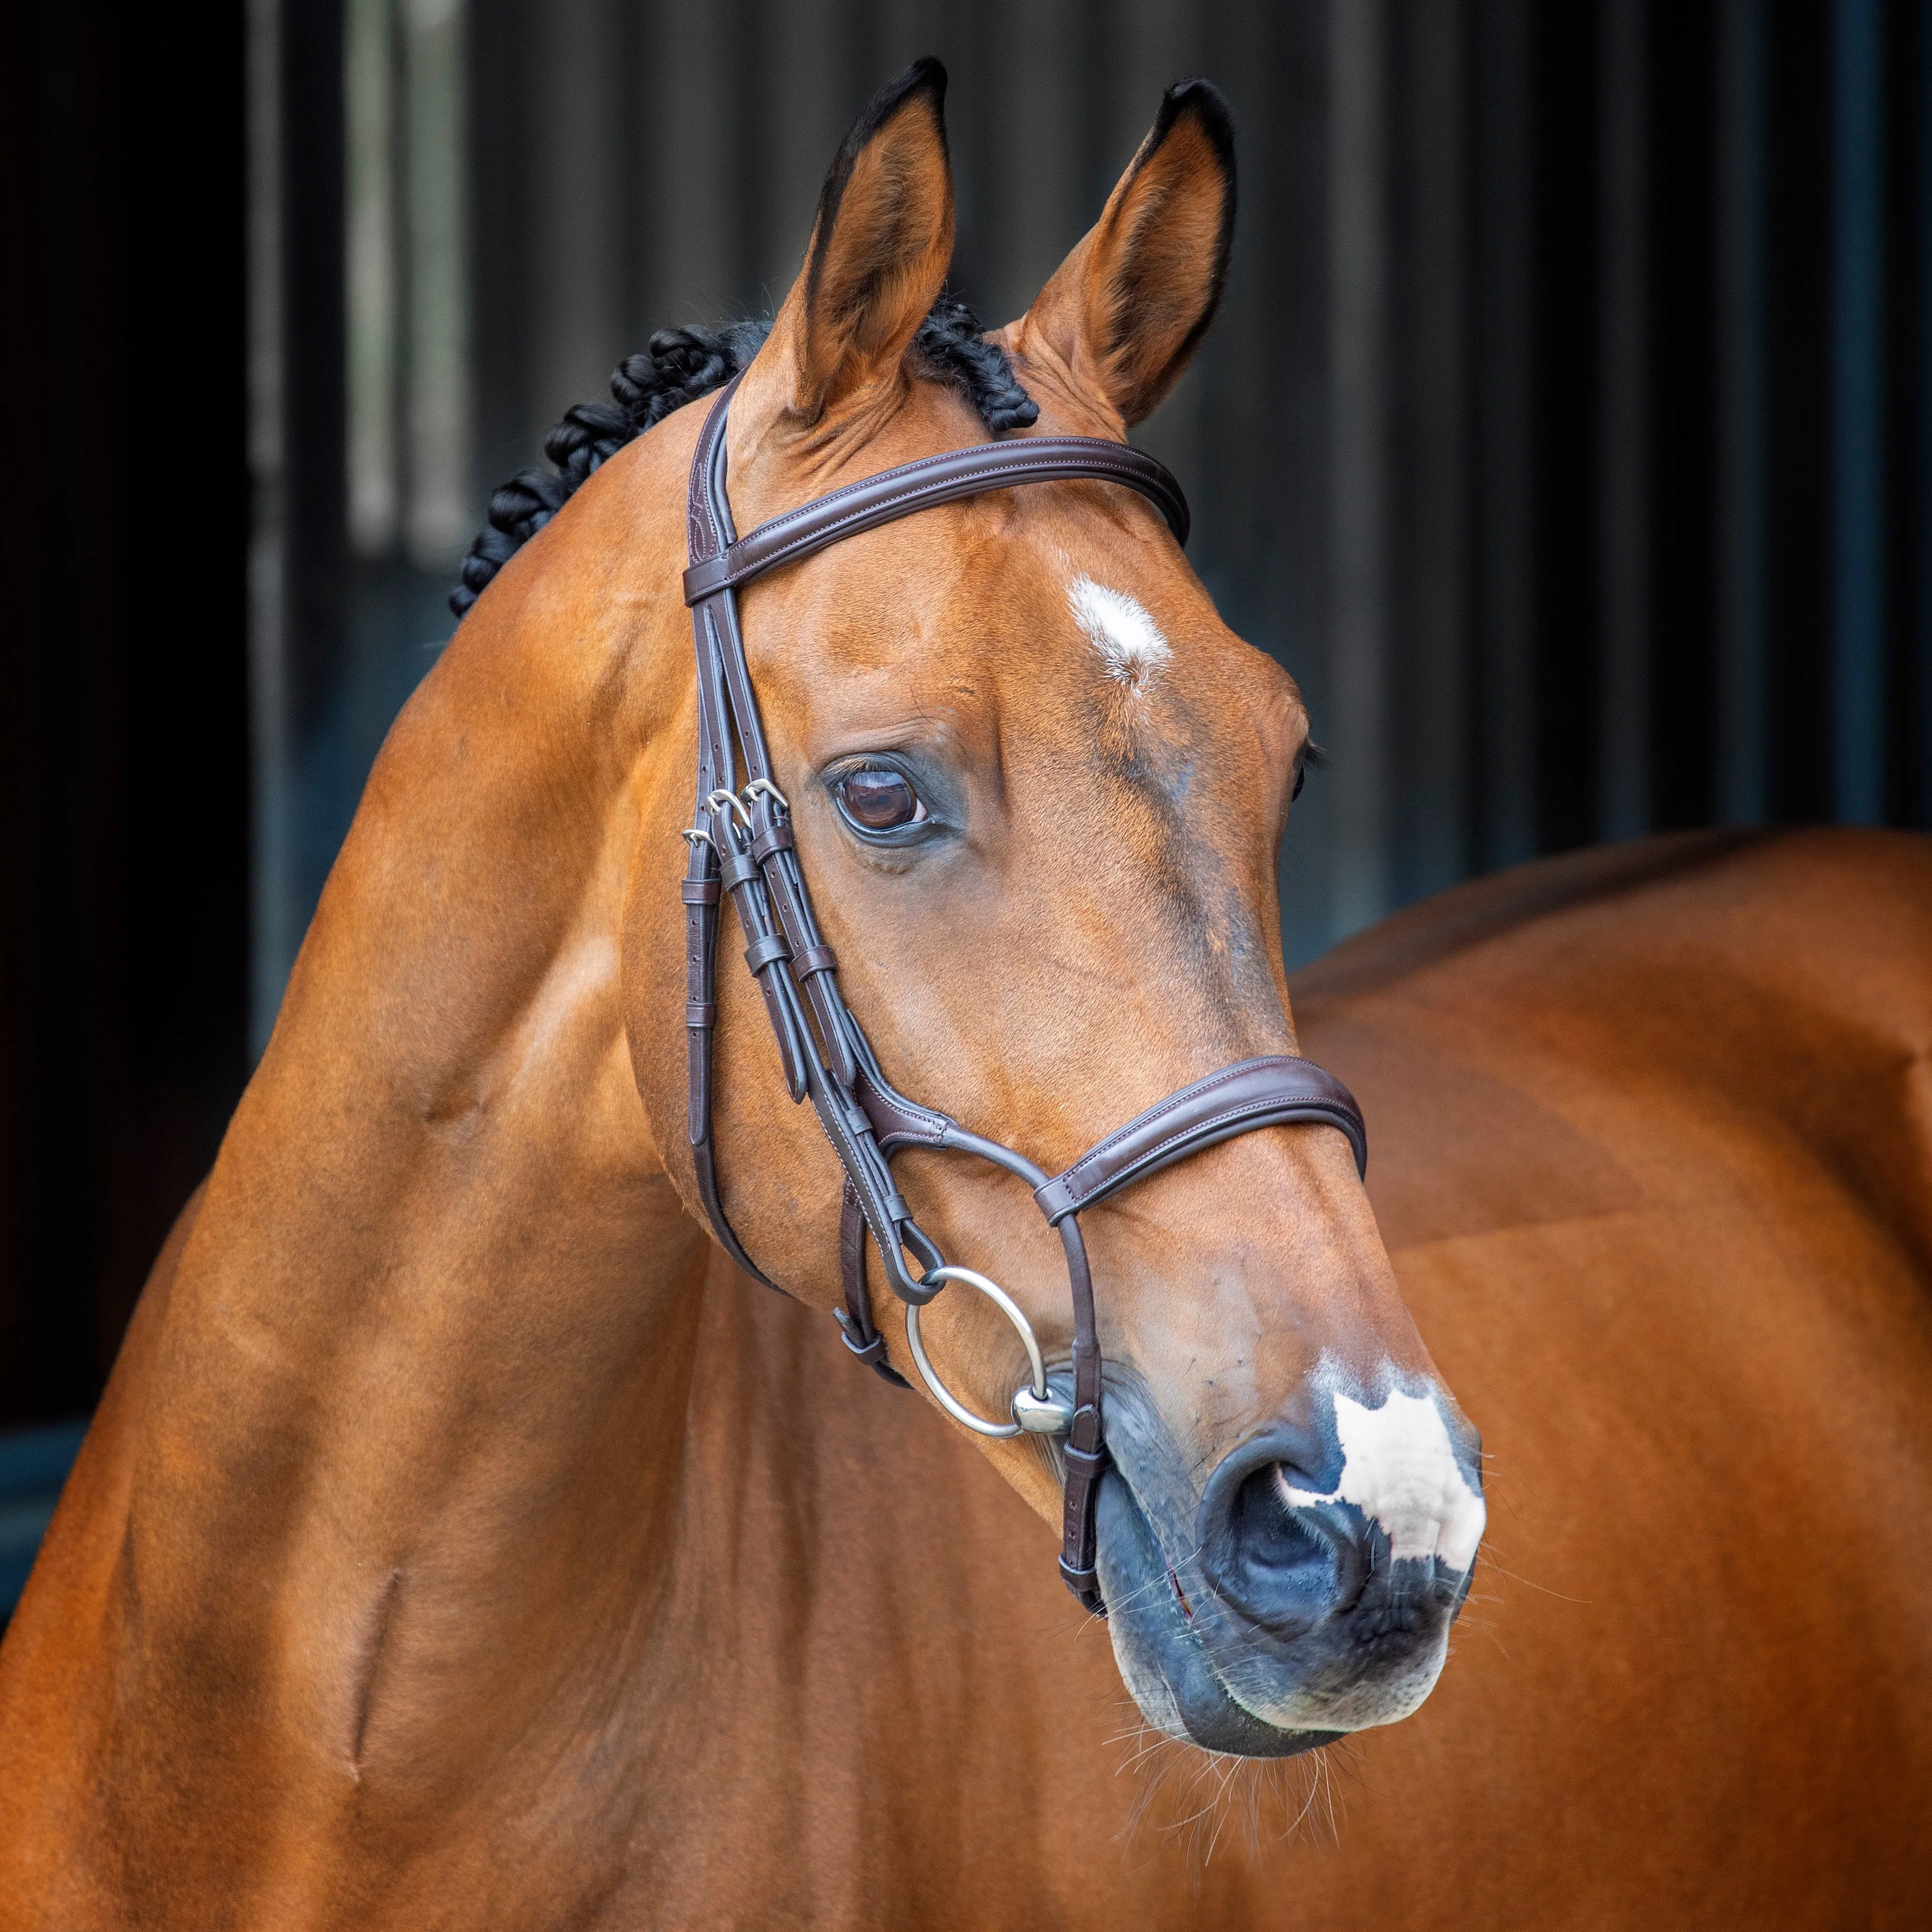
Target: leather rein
741	843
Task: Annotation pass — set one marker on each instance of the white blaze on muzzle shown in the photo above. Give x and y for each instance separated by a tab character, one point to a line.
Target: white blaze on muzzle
1399	1469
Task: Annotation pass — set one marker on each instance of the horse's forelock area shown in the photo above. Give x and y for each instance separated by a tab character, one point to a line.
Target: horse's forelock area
681	365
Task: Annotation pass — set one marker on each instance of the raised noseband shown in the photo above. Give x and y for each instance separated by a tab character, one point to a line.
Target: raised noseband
741	842
1273	1091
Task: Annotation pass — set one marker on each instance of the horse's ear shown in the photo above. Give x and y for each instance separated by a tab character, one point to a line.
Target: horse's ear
1125	312
880	246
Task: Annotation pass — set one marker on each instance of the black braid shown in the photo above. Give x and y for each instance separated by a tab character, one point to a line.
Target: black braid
680	365
953	350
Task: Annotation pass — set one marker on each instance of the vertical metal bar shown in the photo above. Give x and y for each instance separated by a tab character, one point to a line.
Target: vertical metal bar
1358	623
1919	788
975	47
806	111
1744	667
370	246
1506	730
500	205
686	96
1858	404
1039	209
1430	701
312	635
858	31
1263	510
439	515
1623	433
572	150
749	69
634	56
272	943
401	291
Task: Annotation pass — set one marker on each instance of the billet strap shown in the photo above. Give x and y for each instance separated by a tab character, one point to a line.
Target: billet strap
894	494
855	1318
1277	1089
897	1122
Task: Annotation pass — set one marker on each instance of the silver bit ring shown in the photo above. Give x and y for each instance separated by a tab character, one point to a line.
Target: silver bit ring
1036	1408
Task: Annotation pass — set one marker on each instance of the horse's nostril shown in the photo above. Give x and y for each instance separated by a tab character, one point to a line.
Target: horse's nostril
1270	1534
1291	1565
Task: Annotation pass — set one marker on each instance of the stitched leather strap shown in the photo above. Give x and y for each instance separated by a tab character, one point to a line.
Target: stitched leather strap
1274	1090
894	494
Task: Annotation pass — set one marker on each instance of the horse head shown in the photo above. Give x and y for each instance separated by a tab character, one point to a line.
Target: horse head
1036	787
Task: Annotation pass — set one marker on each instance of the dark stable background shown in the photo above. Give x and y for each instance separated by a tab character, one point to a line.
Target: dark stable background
123	725
124	819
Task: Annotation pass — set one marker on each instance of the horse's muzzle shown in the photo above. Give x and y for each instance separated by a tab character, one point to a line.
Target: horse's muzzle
1333	1553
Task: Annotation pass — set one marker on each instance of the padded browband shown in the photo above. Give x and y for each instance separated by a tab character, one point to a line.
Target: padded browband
894	494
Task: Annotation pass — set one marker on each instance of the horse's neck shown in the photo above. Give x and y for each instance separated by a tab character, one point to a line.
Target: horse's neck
415	1414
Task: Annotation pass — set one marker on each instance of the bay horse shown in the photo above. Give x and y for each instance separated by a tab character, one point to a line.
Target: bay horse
463	1539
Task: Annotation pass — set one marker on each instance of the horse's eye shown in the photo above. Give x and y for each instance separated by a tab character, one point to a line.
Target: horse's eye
1301	779
876	798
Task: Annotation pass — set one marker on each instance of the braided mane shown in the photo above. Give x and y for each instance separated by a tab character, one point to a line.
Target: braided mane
678	367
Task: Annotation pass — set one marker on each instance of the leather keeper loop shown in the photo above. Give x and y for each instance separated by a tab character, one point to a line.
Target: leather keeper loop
776	838
1083	1461
761	952
737	867
1085	1585
867	1351
701	1013
700	892
815	959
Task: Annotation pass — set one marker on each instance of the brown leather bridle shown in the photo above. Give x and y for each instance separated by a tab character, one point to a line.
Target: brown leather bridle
741	841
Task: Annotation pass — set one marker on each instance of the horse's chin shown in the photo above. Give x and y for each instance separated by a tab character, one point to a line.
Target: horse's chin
1167	1665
